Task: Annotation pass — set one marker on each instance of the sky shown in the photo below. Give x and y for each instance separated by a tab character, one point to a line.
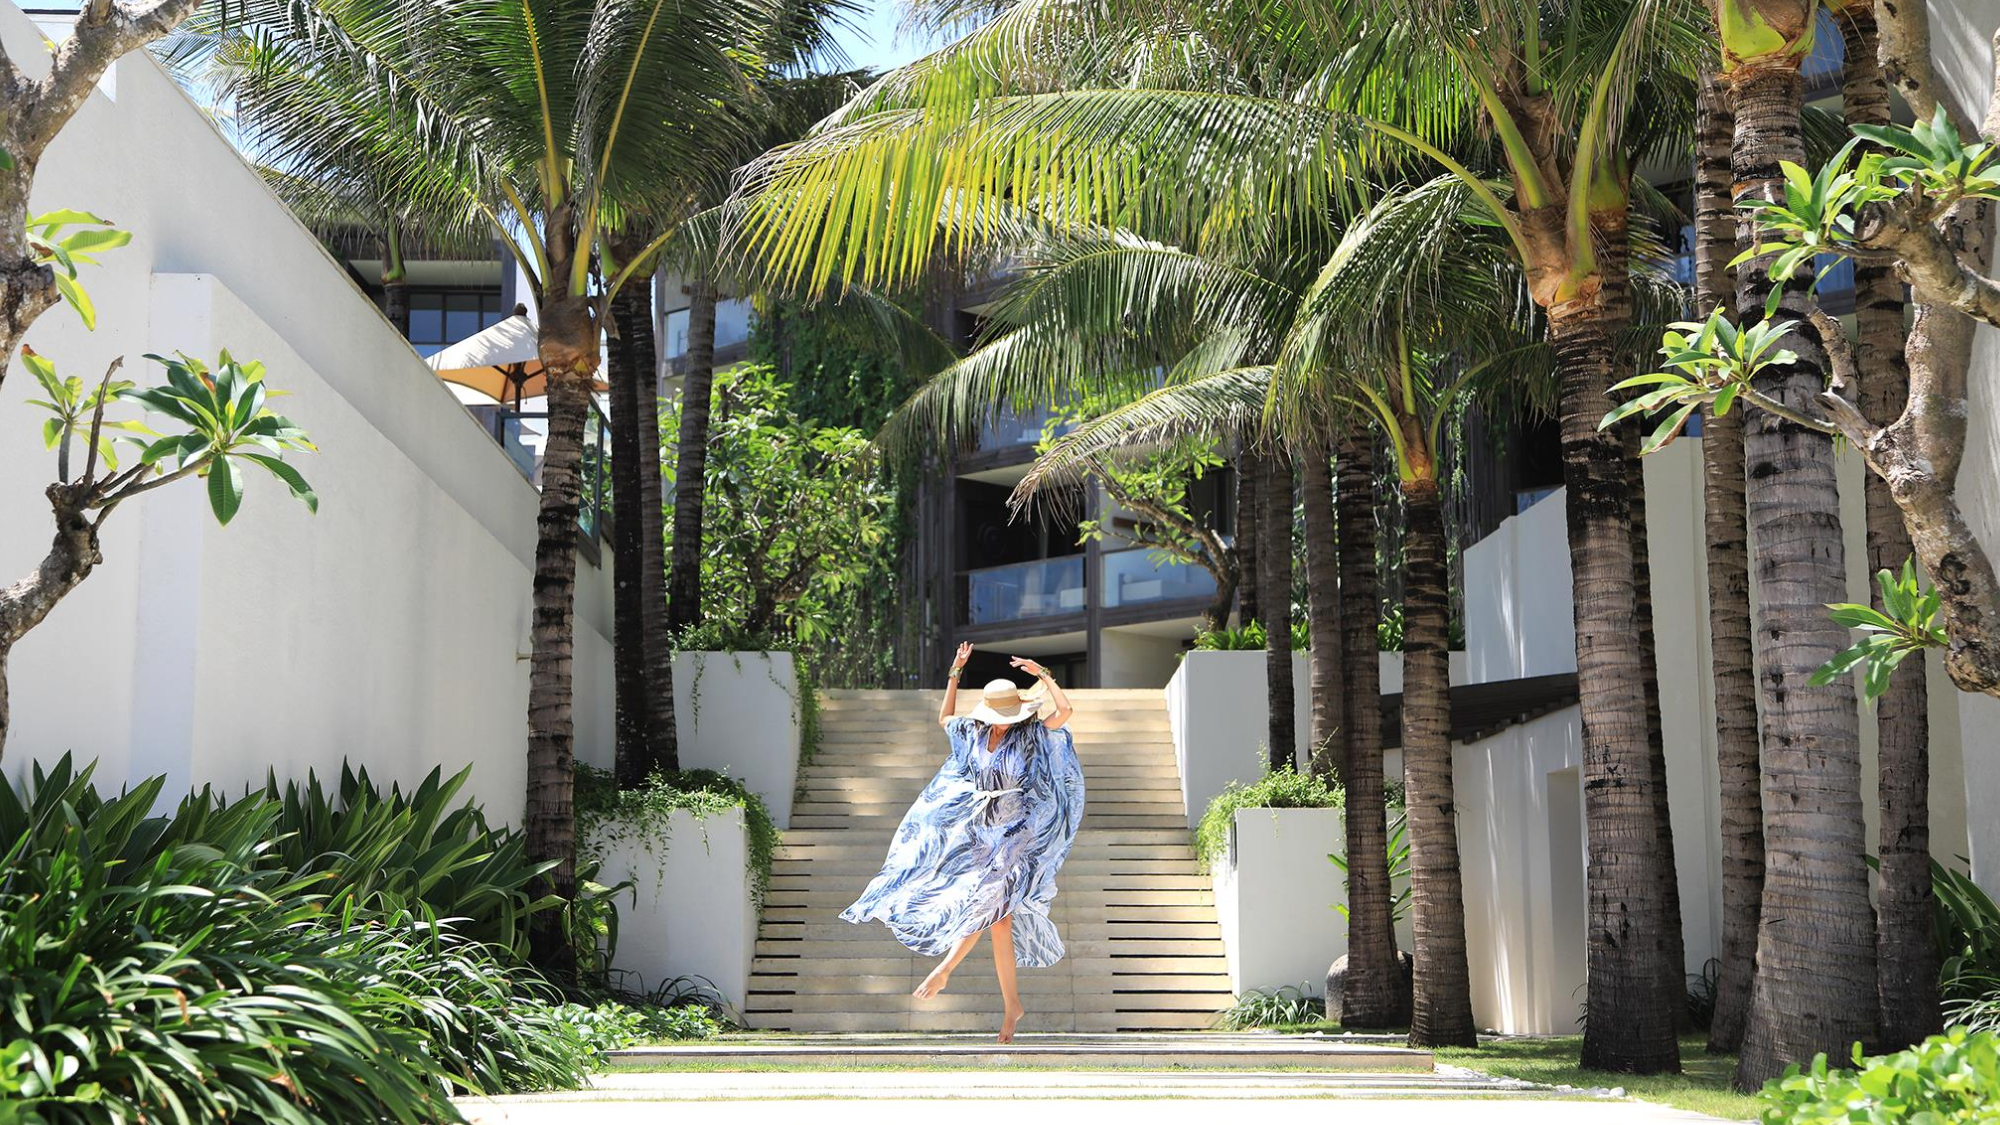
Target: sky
871	39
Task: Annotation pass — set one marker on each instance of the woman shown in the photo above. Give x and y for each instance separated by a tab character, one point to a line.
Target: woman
980	848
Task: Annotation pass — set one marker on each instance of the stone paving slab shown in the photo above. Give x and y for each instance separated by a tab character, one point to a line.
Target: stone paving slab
978	1097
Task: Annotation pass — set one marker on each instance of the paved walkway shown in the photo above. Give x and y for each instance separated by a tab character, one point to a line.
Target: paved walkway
1011	1097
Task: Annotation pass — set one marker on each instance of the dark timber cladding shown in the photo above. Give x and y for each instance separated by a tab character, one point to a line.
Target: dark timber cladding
1483	710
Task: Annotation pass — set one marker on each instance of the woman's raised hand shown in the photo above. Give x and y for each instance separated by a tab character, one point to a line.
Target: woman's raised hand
1028	666
964	654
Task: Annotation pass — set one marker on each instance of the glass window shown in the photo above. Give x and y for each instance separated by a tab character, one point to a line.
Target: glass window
442	317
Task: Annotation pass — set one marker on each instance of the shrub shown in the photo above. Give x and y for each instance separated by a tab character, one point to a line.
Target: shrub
1948	1079
613	1025
422	853
604	811
1279	789
1272	1008
1248	638
175	968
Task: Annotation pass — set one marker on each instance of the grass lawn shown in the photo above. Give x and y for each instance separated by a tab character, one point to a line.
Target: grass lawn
1701	1087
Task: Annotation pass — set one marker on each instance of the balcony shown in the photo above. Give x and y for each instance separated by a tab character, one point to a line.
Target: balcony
1021	591
1006	429
1138	576
520	435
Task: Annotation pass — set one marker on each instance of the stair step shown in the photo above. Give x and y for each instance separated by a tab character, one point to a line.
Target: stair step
1066	915
883	945
976	983
1083	850
1083	897
782	968
1196	1020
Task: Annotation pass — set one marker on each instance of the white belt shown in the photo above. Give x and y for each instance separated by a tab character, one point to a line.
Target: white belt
993	794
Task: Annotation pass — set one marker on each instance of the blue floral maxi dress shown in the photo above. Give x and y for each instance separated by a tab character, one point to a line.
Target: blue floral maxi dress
984	840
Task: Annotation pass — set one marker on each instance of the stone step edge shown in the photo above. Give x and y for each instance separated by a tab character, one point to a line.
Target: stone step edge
1344	1056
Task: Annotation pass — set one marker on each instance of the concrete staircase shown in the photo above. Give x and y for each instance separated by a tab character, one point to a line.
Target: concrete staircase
1137	915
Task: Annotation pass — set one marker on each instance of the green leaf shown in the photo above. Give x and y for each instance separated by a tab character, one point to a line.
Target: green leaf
78	300
96	240
225	489
52	429
1852	616
293	480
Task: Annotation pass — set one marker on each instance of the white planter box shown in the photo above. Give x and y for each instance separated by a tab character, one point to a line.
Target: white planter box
689	912
1215	702
738	713
1275	893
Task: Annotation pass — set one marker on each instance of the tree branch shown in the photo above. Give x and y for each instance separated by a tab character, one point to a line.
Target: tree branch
1904	228
104	32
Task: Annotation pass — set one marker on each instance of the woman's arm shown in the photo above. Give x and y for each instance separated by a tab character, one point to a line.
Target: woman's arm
949	709
1063	710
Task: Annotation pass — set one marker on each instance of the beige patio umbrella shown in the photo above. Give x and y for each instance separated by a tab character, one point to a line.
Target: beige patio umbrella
500	362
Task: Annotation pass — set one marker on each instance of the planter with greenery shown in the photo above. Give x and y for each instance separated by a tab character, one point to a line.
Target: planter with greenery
1265	847
689	854
742	713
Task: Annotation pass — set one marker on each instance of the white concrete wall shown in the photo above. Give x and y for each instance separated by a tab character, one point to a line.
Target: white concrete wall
1961	44
1216	706
690	911
1275	895
1523	909
387	628
738	713
1130	659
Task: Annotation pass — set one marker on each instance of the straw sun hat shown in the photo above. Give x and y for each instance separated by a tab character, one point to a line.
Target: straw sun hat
1002	703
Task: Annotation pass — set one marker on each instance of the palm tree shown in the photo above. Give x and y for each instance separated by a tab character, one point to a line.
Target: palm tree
546	123
643	683
1373	996
1437	286
1274	600
1727	543
1816	977
1906	951
1323	617
1204	110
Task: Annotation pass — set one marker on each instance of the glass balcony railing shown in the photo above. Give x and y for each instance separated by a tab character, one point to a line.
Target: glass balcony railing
520	435
1021	591
1138	576
1007	428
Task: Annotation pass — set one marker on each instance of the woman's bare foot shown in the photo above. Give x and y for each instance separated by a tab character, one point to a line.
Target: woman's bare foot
934	983
1007	1023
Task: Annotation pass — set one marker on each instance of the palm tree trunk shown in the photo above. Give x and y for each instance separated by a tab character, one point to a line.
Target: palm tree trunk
691	460
568	347
1630	1018
633	406
1816	982
1274	585
1441	1009
1905	948
1372	994
1616	239
395	281
1329	685
1726	538
655	629
1249	471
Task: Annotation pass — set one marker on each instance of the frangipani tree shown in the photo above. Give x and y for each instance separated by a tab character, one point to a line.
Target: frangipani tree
548	123
37	108
216	426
